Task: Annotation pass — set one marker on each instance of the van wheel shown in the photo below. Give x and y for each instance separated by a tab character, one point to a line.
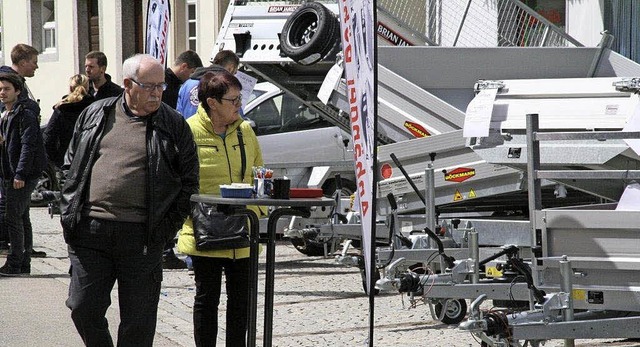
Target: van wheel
46	182
310	33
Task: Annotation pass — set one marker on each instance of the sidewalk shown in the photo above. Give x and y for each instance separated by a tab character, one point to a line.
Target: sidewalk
33	311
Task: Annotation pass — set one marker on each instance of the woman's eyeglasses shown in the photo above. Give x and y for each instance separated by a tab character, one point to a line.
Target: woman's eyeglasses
236	101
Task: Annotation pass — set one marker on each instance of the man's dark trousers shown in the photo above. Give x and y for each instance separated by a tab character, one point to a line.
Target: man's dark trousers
14	206
101	253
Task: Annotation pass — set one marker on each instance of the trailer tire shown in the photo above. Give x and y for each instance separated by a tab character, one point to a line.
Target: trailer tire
311	33
455	312
308	246
329	187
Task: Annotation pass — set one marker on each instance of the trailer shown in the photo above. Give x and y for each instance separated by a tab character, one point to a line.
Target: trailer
586	256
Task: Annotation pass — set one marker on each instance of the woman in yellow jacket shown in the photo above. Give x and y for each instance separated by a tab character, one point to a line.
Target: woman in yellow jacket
214	128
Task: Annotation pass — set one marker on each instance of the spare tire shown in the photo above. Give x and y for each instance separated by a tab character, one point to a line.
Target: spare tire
310	34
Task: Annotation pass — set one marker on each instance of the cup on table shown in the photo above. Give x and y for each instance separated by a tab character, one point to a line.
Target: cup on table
280	189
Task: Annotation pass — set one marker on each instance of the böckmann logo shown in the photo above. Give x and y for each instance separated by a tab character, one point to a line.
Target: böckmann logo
416	129
459	175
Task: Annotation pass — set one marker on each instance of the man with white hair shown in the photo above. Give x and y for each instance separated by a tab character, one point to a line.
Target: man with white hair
131	168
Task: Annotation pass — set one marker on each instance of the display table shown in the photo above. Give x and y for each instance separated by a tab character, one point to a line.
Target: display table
291	207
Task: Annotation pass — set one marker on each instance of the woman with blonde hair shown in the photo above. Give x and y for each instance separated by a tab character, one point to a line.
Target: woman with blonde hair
59	130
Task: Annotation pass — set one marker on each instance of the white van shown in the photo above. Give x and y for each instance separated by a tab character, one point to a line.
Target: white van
298	143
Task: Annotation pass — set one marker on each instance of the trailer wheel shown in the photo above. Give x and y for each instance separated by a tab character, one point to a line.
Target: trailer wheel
329	187
310	33
308	246
455	313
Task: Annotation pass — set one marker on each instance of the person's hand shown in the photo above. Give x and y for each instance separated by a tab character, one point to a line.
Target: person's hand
18	184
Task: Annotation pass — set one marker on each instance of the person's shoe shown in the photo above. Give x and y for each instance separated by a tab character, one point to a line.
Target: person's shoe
9	271
171	262
4	248
25	269
38	254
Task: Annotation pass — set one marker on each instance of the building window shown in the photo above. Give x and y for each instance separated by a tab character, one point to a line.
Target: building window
191	25
48	26
44	31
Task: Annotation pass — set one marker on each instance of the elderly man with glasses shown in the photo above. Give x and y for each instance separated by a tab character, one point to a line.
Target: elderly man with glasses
131	168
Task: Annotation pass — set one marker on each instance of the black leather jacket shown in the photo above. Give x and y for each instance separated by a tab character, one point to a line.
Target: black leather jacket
172	169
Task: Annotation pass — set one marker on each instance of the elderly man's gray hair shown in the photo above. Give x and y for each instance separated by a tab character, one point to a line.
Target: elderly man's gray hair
131	66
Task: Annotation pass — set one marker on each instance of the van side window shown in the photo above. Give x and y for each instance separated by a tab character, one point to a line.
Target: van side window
282	114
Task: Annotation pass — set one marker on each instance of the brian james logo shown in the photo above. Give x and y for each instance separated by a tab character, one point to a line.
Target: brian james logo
416	129
393	37
460	174
283	9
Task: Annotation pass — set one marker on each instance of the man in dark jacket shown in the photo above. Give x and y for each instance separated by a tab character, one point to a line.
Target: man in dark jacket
100	85
22	159
24	63
174	76
131	168
186	63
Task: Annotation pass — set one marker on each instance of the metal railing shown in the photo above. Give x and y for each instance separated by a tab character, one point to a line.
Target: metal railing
478	23
466	23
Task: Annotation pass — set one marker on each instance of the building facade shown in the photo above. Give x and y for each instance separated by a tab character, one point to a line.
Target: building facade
65	30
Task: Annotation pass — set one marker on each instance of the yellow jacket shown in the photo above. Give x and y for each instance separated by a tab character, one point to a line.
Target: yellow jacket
220	163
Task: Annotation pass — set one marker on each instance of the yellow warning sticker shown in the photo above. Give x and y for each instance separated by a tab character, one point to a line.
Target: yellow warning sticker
457	196
579	294
472	194
492	271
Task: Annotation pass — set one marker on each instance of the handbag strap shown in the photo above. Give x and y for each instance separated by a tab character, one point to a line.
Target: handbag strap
243	155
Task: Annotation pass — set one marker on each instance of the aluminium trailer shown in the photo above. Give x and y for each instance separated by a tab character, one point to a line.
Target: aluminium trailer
589	253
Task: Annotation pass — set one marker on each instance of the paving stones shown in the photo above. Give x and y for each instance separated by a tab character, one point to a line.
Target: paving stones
316	303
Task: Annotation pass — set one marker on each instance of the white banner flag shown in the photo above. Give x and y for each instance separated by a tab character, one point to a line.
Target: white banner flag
358	46
158	18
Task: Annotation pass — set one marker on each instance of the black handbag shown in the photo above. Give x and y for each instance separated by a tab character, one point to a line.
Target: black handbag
214	230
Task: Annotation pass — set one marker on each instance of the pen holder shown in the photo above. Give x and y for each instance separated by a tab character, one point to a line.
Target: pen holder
281	187
262	187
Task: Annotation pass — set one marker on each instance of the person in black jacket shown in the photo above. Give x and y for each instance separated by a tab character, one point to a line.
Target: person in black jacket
130	169
174	76
100	86
24	63
185	64
22	159
59	130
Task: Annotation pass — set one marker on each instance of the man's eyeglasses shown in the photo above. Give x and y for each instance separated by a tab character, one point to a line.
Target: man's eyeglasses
150	87
236	101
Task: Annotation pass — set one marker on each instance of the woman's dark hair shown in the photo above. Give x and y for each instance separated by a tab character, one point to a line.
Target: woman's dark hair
215	84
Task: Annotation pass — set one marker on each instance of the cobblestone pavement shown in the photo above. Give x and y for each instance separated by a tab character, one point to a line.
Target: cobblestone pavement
317	303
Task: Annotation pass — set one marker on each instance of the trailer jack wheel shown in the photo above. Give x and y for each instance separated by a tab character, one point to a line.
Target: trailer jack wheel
455	312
